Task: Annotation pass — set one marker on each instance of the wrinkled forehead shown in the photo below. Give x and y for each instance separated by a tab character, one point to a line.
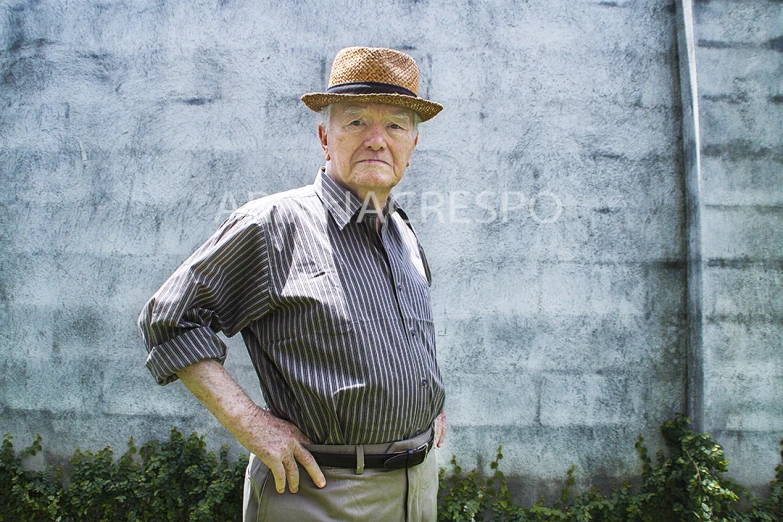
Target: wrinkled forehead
383	110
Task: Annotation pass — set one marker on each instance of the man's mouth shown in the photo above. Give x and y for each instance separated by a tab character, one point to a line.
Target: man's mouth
373	160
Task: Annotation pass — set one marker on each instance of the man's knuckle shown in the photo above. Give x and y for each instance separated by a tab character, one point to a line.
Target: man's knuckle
307	459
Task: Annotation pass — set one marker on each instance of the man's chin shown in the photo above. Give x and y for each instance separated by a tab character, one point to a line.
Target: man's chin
375	181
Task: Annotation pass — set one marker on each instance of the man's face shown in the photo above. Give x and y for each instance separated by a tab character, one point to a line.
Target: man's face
368	146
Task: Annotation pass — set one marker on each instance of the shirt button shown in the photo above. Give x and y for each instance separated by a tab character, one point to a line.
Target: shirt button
424	382
399	286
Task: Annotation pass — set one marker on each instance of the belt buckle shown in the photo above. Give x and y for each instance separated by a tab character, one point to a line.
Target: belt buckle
426	447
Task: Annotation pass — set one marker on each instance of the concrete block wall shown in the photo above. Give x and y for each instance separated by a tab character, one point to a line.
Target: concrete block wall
739	61
549	194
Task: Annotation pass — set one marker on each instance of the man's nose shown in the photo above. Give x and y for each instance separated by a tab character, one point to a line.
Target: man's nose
375	139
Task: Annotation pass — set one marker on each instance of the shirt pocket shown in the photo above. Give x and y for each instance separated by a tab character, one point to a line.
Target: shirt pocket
317	302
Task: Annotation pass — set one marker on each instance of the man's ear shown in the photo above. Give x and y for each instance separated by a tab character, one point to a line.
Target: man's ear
322	139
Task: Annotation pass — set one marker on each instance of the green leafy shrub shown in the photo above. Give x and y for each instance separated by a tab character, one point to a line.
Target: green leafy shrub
26	495
684	483
178	480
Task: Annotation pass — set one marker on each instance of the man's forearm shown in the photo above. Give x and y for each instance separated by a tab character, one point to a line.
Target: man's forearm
224	398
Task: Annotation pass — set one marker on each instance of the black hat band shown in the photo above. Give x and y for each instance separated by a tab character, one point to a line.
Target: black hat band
368	88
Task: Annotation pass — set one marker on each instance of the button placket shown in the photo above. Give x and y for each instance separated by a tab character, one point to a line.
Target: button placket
393	256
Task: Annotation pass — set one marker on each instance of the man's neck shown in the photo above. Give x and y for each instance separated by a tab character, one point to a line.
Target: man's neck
374	198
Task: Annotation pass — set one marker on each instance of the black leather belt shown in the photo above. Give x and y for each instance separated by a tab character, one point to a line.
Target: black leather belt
359	460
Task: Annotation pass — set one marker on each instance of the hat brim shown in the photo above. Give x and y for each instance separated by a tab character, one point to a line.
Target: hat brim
424	108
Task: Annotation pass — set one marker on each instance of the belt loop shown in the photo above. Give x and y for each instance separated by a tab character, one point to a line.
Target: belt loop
359	459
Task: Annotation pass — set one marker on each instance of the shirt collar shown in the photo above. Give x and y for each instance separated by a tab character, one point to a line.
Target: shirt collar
344	205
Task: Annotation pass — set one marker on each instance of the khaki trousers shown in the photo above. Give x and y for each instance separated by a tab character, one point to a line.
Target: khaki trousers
400	495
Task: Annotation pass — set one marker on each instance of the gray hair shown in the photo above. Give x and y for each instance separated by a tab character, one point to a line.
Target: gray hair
326	116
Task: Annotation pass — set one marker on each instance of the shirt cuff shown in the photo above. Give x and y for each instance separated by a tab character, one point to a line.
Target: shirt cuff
188	348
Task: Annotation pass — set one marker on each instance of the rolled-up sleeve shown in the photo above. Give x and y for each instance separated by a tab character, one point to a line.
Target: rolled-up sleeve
223	286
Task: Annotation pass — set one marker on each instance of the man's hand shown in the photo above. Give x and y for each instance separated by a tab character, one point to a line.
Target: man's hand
276	442
440	429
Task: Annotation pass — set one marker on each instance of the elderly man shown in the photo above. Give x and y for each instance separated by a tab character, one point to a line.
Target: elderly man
329	287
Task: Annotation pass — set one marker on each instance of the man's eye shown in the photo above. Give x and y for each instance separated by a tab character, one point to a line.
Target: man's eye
356	122
396	126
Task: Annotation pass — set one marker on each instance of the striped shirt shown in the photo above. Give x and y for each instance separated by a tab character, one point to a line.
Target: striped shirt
336	317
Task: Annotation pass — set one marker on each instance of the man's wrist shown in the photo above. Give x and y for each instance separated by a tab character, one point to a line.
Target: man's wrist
255	421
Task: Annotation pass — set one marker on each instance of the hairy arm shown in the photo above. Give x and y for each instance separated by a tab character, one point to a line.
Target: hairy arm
276	442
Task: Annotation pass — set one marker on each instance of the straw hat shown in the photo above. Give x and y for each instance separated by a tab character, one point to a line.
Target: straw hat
374	75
